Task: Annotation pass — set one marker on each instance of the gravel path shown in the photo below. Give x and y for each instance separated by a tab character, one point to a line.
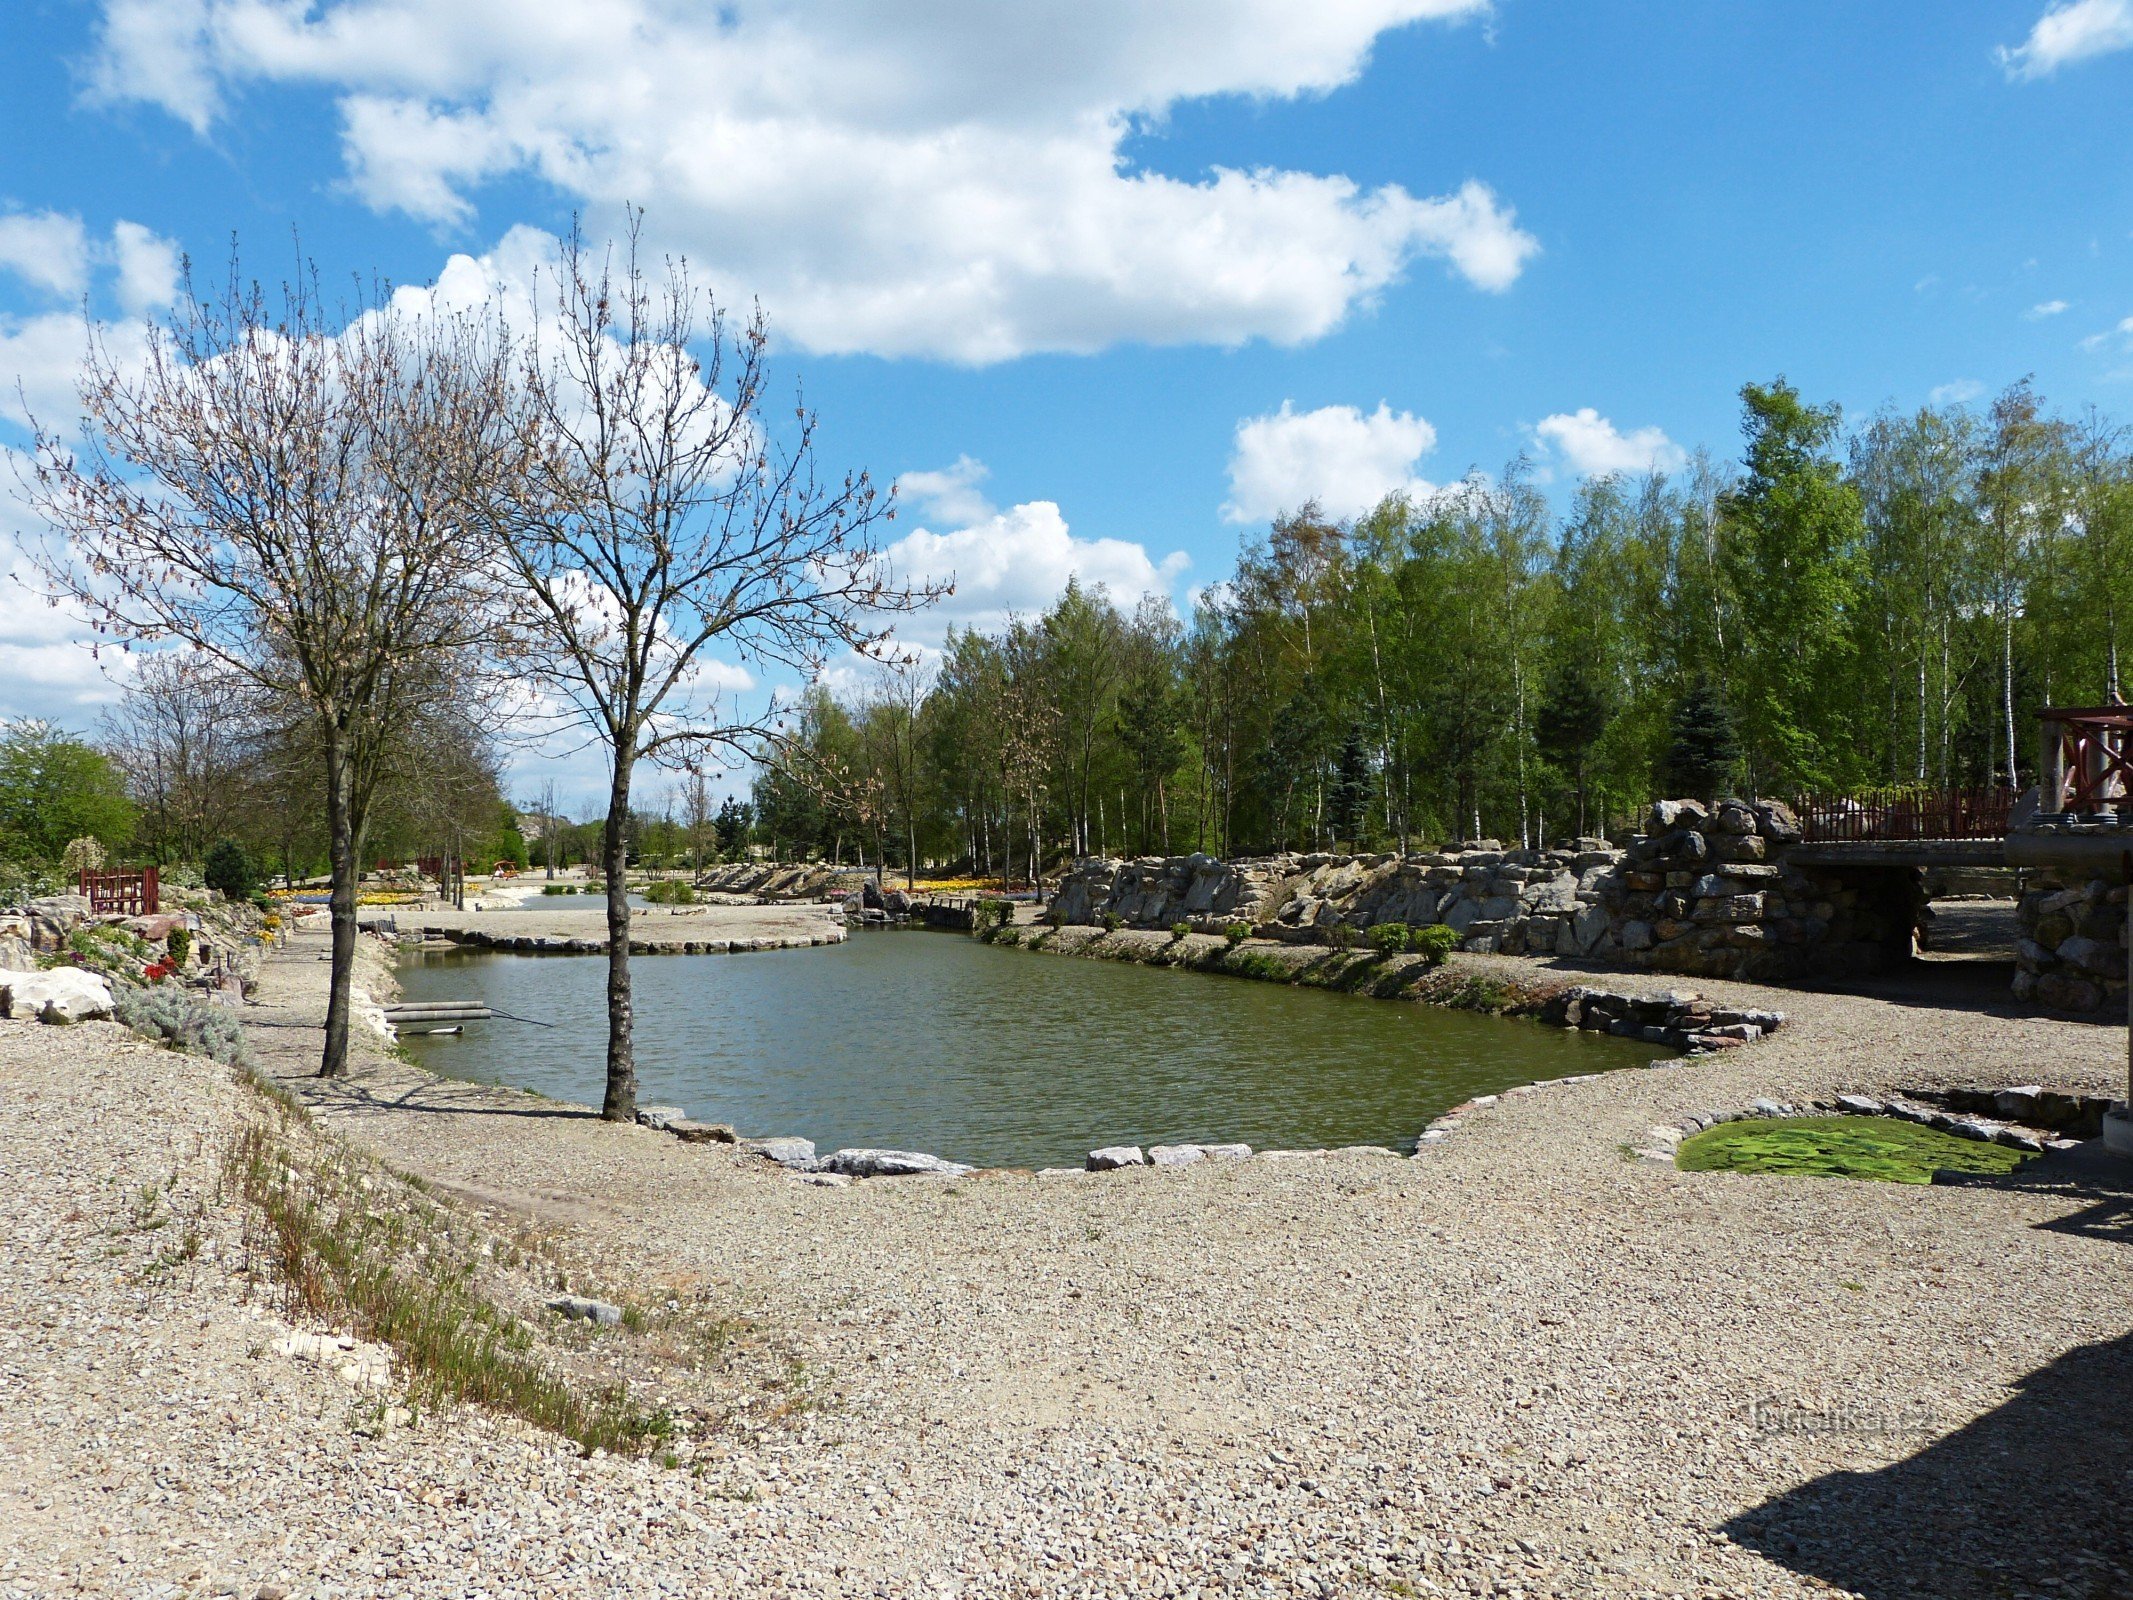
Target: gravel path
1519	1364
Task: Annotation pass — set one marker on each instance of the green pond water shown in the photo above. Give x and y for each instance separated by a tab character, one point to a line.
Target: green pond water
931	1041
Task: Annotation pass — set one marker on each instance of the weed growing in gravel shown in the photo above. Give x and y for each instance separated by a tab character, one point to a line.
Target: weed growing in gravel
352	1250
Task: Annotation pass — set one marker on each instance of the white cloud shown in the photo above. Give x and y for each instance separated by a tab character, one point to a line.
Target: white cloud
1336	455
1958	393
45	249
2068	33
2096	341
2046	308
1015	562
950	495
1594	447
932	179
147	268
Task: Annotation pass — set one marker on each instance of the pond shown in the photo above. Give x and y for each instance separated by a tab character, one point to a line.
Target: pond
931	1041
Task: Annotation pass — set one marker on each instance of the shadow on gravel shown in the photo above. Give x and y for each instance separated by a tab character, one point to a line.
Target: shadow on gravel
2088	1176
442	1097
2027	1500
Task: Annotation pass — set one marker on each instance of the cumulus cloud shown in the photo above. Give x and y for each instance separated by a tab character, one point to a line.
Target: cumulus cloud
147	266
1015	562
950	495
1336	455
2046	308
45	249
1593	447
929	179
1958	393
2067	33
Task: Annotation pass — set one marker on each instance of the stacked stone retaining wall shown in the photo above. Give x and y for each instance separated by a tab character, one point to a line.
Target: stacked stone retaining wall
2072	955
1708	891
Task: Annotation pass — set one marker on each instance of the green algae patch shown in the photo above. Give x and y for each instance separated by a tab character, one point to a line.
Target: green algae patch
1881	1149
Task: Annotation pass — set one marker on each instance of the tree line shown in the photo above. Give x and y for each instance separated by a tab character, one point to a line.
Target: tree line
1840	610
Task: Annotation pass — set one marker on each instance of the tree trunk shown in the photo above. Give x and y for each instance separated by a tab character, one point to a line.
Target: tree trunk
620	1104
341	850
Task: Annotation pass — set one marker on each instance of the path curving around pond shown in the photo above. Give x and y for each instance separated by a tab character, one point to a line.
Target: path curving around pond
1520	1362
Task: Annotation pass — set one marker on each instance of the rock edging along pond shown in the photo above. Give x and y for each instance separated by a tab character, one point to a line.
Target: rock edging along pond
2029	1118
987	1056
1704	891
1676	1020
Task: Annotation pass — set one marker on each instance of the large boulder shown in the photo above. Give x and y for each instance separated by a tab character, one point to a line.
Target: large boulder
887	1164
64	994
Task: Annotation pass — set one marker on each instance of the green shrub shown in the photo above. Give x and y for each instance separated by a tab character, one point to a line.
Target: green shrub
1237	932
1437	941
1393	938
1338	936
230	871
1056	917
1113	922
1178	930
179	945
995	913
559	888
670	892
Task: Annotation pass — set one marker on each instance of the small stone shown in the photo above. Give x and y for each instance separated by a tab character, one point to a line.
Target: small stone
1860	1105
1175	1155
824	1180
660	1117
578	1308
1767	1108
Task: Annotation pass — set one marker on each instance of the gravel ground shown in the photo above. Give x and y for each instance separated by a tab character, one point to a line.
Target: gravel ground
1519	1364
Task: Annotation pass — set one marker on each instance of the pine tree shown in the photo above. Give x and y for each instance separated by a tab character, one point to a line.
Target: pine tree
1572	717
1703	750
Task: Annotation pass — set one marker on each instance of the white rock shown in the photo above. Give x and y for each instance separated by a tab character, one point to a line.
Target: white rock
63	994
786	1152
1175	1155
862	1163
1113	1156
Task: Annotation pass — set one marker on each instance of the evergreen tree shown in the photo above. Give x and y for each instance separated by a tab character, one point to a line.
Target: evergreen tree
1703	750
1572	716
1348	797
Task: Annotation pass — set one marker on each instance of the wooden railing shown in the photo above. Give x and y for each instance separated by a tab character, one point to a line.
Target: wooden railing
1885	814
127	892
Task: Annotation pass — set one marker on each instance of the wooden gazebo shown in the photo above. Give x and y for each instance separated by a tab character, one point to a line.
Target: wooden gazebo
2088	762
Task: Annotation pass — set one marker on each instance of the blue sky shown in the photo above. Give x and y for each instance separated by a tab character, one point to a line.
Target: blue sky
1000	249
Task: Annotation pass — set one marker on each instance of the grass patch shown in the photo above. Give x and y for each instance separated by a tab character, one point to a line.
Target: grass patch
355	1246
1877	1148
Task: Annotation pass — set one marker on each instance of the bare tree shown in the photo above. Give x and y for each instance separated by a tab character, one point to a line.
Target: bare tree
285	488
654	517
182	734
549	822
696	813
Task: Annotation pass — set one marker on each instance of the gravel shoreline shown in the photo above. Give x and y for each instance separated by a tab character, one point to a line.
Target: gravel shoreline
1521	1363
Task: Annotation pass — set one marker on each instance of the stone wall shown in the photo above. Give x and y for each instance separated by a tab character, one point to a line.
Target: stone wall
1703	891
2072	956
